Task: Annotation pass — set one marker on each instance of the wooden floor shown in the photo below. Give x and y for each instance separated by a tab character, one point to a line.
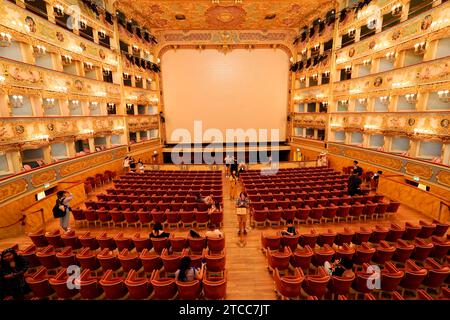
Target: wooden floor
248	276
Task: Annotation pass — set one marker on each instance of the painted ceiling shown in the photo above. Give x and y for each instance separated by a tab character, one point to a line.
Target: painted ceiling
223	14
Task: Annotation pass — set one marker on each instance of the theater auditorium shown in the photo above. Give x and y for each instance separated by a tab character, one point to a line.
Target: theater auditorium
224	150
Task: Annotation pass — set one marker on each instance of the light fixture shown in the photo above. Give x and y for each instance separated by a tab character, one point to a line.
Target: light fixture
316	47
303	52
351	32
126	75
106	71
371	23
422	131
443	95
326	74
297	98
66	59
325	103
88	65
215	1
74	104
102	34
48	102
384	100
314	76
16	101
58	10
419	47
93	105
362	101
348	69
291	59
390	55
343	102
83	24
87	131
41	137
411	98
138	78
370	127
158	61
2	79
5	39
129	106
302	79
135	47
367	62
396	9
110	105
39	50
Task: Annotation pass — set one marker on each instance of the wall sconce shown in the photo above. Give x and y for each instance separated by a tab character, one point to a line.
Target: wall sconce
74	104
303	52
343	102
48	102
5	39
351	32
106	71
291	59
66	59
93	105
396	9
384	100
371	23
129	106
326	74
138	78
443	95
102	34
58	10
390	55
39	50
302	79
367	62
158	61
83	24
348	69
316	47
16	101
362	101
154	100
126	76
411	98
314	76
147	53
88	65
135	48
325	104
2	79
110	106
419	47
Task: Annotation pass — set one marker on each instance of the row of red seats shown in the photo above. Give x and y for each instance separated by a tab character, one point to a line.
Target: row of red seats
135	287
323	198
158	191
139	204
321	284
154	198
146	218
69	239
101	261
320	214
409	232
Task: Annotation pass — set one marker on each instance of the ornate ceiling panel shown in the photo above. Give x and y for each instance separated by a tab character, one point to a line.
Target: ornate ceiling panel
204	14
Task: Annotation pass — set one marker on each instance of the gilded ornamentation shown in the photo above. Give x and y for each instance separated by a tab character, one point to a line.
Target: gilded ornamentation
443	177
250	14
426	23
378	81
84	164
40	178
419	170
20	129
12	189
445	123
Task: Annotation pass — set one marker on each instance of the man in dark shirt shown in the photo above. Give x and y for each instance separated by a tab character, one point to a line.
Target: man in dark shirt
354	184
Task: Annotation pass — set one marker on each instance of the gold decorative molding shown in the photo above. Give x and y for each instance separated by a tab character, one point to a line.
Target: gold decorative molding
12	189
40	178
443	177
419	170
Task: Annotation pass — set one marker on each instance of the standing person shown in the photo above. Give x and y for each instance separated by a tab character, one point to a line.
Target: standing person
132	164
12	270
354	184
63	199
376	180
241	211
357	168
233	185
140	166
228	162
126	165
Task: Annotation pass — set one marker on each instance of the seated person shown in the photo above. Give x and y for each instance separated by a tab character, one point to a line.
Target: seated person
333	267
290	229
198	198
347	265
12	281
158	231
209	200
188	273
213	232
194	234
212	208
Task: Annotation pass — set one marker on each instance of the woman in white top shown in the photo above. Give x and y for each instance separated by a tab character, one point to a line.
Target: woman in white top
126	165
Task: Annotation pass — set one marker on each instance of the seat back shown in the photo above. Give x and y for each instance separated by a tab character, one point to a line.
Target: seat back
189	290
